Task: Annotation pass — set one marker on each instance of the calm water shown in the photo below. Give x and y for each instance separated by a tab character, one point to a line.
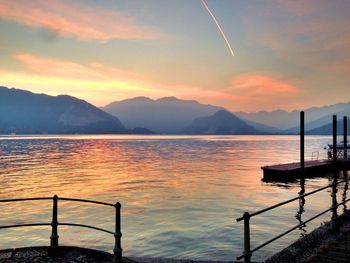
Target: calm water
180	195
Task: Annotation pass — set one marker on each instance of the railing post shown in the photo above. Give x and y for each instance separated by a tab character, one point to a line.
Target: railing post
117	251
54	225
246	252
334	223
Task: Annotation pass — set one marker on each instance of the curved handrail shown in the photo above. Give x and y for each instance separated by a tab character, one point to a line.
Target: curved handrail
59	198
86	201
25	225
87	226
25	199
54	224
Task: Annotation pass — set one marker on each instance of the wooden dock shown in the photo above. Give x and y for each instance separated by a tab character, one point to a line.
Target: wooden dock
292	171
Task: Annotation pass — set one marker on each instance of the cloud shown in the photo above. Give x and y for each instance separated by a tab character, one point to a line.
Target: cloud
307	37
301	7
101	83
250	92
95	82
57	68
257	91
261	85
92	71
77	19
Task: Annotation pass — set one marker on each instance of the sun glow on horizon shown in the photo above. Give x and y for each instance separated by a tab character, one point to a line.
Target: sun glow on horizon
113	51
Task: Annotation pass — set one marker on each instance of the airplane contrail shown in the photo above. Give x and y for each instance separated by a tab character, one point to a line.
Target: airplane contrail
218	26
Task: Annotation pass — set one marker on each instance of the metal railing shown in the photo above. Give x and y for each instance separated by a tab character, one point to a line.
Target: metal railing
247	252
117	251
315	155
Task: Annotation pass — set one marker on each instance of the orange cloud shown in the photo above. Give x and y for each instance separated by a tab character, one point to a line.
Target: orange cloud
251	92
73	18
257	91
100	84
260	85
95	82
93	71
57	68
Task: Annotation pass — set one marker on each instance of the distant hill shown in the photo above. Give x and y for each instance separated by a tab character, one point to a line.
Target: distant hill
265	129
221	123
166	115
328	129
289	121
279	119
23	112
327	119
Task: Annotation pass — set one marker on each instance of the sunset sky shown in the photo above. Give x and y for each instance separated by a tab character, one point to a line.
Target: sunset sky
287	54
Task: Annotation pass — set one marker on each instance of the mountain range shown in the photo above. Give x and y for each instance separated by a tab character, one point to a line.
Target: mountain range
221	123
24	112
173	116
288	122
167	115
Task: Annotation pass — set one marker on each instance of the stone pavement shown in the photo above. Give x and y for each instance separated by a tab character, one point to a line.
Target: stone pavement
324	244
336	251
65	254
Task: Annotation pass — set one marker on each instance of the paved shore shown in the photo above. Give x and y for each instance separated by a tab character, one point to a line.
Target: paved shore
75	255
337	251
64	255
324	244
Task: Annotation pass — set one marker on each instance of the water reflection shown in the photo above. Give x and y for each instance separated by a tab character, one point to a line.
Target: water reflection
334	206
179	194
345	190
301	210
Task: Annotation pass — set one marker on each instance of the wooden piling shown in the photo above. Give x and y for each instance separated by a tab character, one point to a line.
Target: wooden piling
345	135
334	138
302	141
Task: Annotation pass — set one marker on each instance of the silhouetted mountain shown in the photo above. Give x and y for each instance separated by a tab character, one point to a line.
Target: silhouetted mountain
279	119
289	121
222	122
327	119
24	112
263	128
166	115
328	129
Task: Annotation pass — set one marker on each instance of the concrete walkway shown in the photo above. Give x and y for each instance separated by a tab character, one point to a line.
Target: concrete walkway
323	244
336	251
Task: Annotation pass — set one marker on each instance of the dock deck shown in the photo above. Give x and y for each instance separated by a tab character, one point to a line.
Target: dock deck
292	171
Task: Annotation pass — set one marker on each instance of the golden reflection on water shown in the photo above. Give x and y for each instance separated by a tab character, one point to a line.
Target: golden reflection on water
180	195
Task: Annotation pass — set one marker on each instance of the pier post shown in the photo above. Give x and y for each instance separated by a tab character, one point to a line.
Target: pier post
117	251
54	226
334	138
247	253
345	134
302	142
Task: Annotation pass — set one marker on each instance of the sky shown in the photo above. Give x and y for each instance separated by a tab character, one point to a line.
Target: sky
287	54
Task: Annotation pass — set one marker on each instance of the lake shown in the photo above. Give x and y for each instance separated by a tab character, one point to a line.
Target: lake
180	195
